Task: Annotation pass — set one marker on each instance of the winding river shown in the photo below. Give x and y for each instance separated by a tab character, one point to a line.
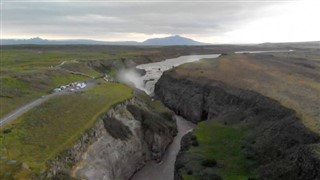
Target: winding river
165	169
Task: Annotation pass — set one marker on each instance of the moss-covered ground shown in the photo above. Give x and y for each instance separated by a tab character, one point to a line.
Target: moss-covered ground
218	152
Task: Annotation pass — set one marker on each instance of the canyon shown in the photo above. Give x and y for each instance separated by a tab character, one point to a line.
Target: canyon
275	142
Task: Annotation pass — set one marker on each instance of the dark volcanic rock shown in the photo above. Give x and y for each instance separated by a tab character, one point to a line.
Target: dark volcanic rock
153	127
181	160
277	140
141	72
116	128
118	144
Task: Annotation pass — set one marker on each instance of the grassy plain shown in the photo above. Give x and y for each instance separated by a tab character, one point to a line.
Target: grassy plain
43	132
27	73
18	90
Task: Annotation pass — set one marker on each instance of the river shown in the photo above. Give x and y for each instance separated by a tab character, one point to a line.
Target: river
165	169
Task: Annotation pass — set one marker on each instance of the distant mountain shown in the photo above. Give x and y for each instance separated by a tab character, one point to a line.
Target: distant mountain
24	41
171	41
308	44
167	41
38	40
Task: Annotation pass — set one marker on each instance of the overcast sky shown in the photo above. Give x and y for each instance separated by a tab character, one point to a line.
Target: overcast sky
232	21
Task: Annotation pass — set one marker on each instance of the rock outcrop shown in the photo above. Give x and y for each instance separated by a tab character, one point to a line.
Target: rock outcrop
118	145
277	140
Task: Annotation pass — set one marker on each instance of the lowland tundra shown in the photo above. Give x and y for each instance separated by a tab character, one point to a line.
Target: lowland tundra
112	130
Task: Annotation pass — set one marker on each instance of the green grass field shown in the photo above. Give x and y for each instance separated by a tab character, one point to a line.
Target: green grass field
21	89
221	144
43	132
30	60
27	74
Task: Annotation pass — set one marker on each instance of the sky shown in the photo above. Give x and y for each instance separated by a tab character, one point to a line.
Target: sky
215	21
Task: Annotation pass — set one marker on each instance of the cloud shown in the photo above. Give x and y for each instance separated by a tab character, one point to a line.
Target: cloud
114	20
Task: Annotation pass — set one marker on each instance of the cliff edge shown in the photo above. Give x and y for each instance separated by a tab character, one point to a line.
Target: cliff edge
243	132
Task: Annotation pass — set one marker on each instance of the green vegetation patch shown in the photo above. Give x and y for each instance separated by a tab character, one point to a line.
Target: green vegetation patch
80	67
30	60
45	131
154	105
59	80
29	72
217	153
22	88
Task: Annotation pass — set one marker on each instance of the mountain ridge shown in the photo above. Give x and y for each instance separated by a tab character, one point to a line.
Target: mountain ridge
172	40
166	41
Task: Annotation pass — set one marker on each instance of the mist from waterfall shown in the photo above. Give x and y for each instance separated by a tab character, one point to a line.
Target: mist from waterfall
131	77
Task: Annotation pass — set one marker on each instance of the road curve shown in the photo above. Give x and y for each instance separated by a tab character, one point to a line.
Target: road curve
17	113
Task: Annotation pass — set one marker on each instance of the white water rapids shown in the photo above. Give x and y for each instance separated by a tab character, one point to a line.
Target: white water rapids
154	71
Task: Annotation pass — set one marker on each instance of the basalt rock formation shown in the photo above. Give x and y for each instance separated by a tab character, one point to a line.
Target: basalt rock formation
119	144
277	140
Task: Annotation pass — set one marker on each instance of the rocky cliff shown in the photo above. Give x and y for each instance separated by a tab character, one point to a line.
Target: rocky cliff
118	145
275	140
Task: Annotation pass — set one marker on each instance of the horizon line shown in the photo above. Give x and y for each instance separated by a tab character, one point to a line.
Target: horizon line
115	41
